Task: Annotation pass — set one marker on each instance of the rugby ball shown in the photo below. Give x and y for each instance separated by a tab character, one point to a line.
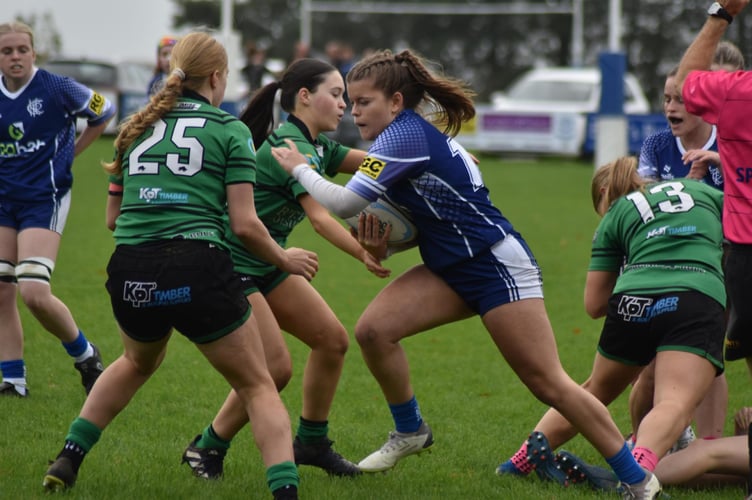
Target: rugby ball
404	234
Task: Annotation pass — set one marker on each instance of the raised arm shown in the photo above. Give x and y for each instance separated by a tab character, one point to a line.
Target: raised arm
700	53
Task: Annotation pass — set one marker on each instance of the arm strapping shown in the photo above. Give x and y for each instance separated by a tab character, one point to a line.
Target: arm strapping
337	199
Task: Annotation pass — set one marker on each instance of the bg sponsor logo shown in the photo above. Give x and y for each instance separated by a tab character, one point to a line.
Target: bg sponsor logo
156	195
148	193
660	231
146	294
744	174
642	309
96	103
138	293
372	167
631	308
14	149
16	131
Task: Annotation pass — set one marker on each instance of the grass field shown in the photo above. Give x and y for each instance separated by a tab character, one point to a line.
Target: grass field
478	409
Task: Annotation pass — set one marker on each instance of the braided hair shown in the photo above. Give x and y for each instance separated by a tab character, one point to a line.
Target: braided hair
449	101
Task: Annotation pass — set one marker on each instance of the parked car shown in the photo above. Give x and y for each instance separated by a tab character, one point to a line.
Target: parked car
124	83
566	89
546	110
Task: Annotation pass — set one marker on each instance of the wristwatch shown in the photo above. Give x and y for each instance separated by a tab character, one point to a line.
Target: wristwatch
717	10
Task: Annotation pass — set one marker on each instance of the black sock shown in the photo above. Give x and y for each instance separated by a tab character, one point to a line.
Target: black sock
287	492
74	453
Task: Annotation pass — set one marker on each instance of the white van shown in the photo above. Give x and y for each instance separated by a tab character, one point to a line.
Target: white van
566	89
545	111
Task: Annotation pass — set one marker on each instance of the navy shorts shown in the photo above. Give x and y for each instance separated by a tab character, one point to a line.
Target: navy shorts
738	272
638	326
506	272
186	285
49	214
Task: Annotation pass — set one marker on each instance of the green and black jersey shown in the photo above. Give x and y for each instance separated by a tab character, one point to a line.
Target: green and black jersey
666	238
276	193
175	175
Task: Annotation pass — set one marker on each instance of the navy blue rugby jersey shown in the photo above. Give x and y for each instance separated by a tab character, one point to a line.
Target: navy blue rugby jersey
433	178
661	159
38	131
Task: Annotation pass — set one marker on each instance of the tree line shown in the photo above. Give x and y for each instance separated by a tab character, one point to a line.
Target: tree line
487	51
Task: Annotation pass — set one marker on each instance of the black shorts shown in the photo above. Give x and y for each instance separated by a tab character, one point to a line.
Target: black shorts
264	284
638	326
738	272
186	285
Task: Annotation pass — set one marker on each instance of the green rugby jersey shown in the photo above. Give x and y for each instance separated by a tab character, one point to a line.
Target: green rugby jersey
276	193
175	174
668	238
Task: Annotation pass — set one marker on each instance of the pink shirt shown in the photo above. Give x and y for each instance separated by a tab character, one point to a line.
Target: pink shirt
725	100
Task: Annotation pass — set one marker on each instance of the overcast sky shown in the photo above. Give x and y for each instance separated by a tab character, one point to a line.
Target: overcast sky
117	30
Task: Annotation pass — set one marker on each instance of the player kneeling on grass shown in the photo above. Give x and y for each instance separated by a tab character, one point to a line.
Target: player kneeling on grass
463	239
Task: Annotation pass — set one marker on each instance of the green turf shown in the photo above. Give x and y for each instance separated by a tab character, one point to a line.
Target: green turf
478	409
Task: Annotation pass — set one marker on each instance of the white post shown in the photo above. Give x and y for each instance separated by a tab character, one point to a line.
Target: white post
578	45
611	126
614	26
305	22
235	59
226	19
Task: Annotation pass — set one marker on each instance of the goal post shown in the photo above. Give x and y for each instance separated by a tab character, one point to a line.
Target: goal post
515	7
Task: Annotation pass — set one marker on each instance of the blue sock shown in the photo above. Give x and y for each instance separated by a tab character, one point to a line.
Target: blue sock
407	416
626	467
14	368
78	346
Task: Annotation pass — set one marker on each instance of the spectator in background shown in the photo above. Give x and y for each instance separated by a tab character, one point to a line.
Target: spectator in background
38	109
341	55
162	68
255	67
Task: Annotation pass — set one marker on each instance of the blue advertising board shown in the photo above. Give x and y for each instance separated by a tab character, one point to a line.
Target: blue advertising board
638	128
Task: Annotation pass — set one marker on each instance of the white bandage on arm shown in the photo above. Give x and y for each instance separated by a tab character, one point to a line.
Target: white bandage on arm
337	199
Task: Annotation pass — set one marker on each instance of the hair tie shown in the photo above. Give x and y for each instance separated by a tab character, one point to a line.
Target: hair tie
179	72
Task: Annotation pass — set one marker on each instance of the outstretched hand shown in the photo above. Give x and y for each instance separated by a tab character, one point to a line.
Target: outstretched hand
374	265
289	157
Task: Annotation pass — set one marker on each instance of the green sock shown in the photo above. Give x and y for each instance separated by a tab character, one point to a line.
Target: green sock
310	431
281	475
83	433
210	439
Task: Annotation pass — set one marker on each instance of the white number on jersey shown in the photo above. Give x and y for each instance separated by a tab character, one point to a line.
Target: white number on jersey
159	128
678	201
472	169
